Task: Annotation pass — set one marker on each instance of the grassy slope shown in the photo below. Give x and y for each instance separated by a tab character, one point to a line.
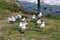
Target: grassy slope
50	32
10	31
6	8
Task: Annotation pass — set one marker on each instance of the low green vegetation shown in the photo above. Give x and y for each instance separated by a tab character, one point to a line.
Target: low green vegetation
9	6
6	8
10	31
51	16
50	32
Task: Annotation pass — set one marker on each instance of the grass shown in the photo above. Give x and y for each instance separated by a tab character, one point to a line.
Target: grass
6	8
51	16
10	31
51	31
9	6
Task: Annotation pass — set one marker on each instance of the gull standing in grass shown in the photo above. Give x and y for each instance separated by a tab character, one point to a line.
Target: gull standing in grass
42	26
25	21
38	22
18	17
39	15
22	26
33	17
11	19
